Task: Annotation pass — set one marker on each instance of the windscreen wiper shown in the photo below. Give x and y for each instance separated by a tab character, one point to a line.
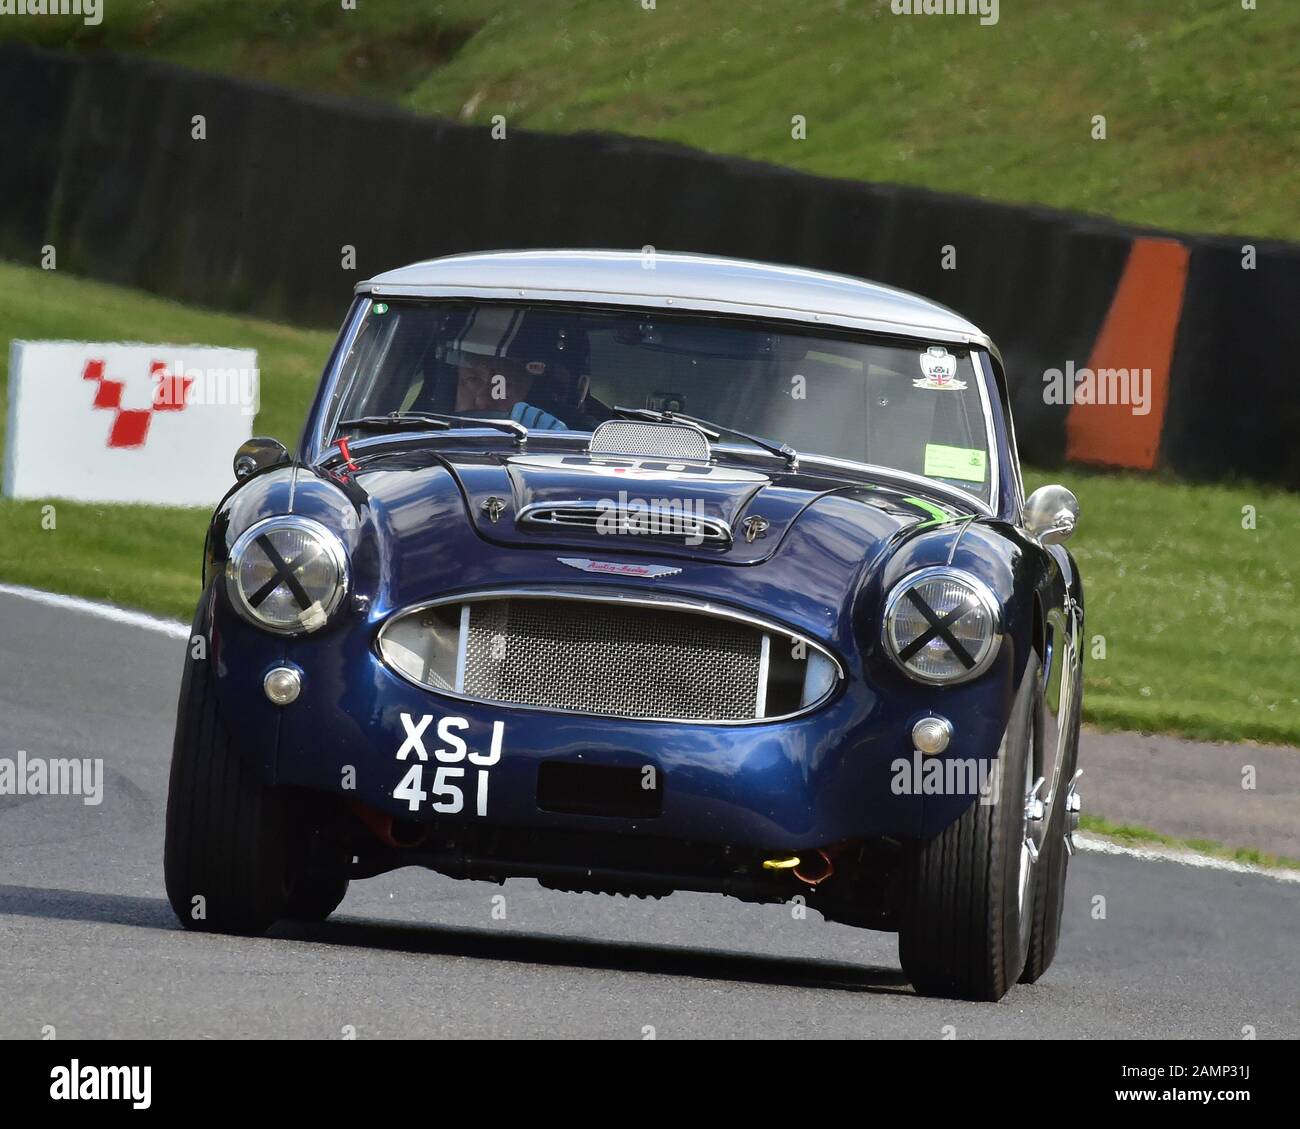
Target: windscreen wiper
711	429
423	421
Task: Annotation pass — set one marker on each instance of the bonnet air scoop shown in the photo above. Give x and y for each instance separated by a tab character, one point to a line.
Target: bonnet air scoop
678	442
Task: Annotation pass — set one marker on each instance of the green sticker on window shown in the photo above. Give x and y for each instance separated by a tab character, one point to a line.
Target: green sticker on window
968	464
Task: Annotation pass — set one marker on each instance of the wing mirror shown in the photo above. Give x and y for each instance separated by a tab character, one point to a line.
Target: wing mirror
1051	513
258	454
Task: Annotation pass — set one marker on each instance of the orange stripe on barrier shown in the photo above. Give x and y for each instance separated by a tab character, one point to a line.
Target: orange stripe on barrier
1138	337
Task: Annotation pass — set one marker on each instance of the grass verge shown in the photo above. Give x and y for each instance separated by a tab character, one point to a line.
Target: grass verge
1190	628
1198	96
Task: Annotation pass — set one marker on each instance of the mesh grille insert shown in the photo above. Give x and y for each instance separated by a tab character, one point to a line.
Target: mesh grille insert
633	437
608	659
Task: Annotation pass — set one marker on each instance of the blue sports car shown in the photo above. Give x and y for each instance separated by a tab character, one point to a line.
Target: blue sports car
634	573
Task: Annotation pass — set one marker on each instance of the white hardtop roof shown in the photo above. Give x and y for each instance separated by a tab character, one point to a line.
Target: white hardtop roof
671	280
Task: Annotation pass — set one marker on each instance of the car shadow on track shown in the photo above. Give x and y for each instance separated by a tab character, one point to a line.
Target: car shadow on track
615	956
82	905
446	940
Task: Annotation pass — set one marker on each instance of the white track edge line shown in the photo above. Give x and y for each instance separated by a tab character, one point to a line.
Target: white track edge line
1183	857
177	630
171	627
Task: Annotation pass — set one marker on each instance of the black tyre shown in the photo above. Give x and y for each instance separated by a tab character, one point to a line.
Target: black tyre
968	892
1053	863
226	860
316	894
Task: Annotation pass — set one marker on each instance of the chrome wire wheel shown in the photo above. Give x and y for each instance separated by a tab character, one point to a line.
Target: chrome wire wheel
1031	824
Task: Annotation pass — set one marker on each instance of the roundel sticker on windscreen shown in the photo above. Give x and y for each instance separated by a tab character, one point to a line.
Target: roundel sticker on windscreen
940	368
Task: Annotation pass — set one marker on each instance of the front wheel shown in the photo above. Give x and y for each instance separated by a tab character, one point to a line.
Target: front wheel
969	891
226	862
1053	863
316	895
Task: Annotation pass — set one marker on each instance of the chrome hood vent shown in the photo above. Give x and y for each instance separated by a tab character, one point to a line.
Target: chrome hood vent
665	522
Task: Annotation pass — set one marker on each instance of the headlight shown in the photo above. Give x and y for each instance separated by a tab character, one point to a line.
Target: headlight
942	626
287	574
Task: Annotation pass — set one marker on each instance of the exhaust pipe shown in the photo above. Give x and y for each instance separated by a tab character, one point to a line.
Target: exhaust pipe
402	834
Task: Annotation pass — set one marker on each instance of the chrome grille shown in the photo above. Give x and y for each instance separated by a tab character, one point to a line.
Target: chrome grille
662	440
598	658
627	656
656	523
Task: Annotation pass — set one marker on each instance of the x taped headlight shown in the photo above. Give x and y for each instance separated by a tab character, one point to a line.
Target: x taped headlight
942	626
287	574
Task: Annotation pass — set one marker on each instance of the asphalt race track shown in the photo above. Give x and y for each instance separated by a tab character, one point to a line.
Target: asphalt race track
88	943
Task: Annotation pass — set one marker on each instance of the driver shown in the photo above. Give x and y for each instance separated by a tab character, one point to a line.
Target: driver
520	365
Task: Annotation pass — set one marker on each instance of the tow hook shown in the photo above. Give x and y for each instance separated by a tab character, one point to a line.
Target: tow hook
781	862
796	866
825	871
400	833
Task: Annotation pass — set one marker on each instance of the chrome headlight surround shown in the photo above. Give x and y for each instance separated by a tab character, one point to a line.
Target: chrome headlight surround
982	610
312	564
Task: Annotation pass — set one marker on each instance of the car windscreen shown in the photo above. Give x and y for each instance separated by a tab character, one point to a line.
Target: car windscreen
917	407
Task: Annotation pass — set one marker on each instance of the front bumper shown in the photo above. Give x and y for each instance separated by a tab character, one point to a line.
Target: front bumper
823	778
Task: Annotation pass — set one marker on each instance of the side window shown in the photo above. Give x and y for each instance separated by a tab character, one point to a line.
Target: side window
363	364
